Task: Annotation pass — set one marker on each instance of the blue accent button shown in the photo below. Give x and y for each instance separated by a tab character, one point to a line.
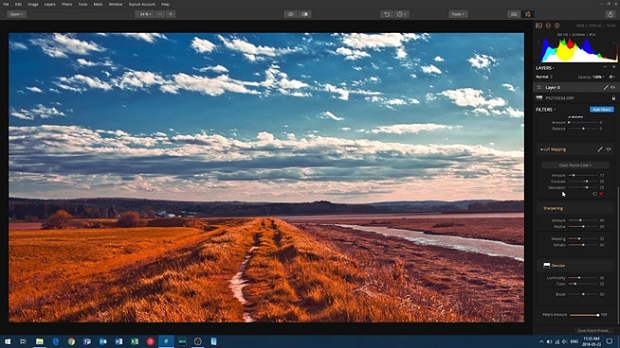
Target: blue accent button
602	109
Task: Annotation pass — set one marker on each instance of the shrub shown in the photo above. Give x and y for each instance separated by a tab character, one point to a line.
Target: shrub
57	220
447	224
130	219
151	214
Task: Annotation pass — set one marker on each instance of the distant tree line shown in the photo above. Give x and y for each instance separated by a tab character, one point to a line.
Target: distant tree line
97	208
43	210
497	205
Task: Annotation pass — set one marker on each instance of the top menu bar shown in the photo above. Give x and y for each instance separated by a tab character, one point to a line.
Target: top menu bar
315	10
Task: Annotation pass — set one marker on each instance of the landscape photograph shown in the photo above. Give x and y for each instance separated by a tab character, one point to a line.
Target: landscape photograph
266	178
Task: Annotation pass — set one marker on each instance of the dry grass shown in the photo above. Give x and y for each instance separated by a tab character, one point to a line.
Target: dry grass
296	278
182	272
174	274
480	288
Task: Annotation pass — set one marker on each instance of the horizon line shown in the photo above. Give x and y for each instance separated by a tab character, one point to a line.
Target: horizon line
266	202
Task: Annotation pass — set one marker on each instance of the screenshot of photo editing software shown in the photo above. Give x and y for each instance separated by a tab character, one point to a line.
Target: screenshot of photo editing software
303	174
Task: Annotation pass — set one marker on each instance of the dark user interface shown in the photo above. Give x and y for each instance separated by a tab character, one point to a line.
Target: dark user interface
382	175
575	77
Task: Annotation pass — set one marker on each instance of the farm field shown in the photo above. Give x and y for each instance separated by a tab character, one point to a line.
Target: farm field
252	270
507	228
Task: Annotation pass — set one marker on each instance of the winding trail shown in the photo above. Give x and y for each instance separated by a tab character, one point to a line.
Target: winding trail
239	281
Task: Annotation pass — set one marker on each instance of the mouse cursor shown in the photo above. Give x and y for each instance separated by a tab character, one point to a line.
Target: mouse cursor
563	194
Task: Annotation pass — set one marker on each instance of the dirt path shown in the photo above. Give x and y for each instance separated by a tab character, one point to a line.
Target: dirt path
239	281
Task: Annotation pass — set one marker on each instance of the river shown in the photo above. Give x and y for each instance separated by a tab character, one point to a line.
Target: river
294	218
474	245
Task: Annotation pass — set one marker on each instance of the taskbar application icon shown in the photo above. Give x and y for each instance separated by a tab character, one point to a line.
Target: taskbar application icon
166	341
112	341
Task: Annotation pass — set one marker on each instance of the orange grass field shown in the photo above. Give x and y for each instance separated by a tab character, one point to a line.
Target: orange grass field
183	274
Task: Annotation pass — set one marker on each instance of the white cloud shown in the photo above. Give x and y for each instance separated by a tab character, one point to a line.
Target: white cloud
34	89
439	59
148	37
54	90
430	69
291	83
346	129
40	111
371	79
344	93
481	111
274	78
202	45
513	112
133	80
329	115
172	89
61	46
22	115
46	112
351	54
69	88
377	41
294	93
205	85
84	62
275	81
217	69
193	150
81	83
472	97
17	46
481	61
410	128
509	87
391	102
255	52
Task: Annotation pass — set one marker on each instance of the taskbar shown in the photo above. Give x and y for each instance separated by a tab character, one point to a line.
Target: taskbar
303	341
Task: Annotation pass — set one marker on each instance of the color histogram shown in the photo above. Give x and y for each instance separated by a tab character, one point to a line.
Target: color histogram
570	52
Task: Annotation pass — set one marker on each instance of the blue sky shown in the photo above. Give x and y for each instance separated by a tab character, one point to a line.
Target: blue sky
347	117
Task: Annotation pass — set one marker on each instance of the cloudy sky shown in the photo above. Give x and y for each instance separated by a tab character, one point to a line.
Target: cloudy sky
266	117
